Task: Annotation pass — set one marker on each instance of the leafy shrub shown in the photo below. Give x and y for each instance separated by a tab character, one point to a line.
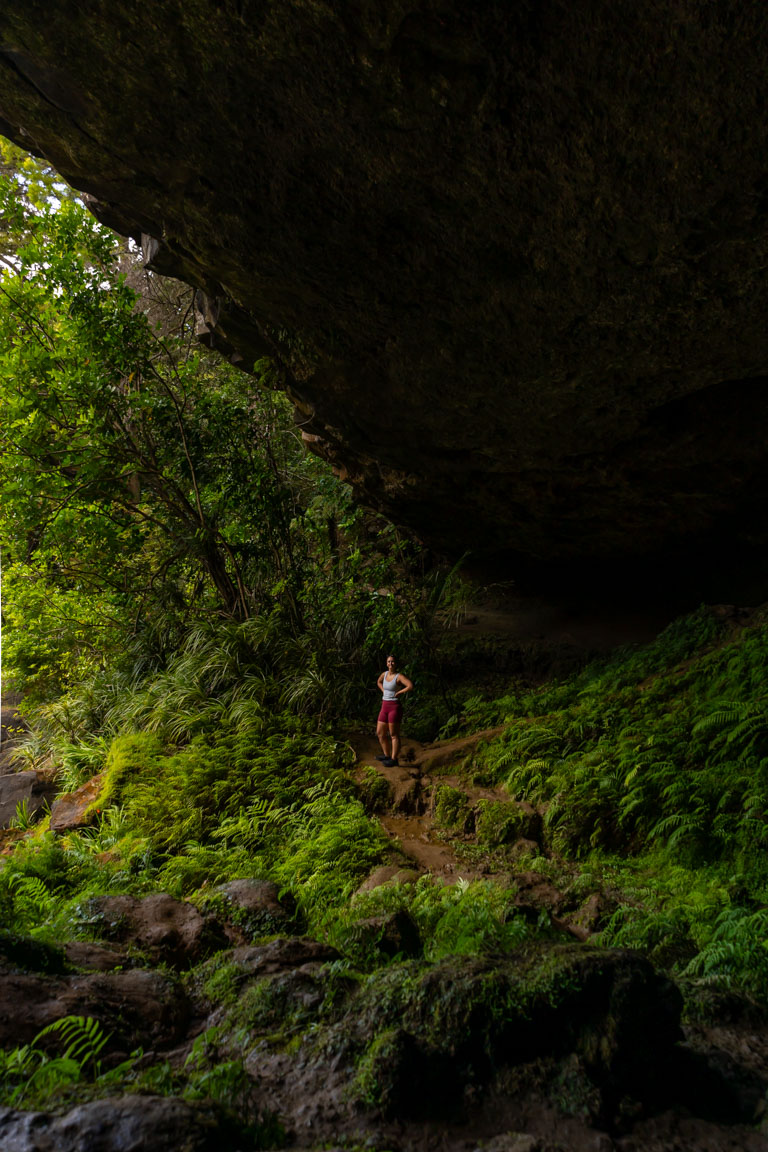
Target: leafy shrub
451	806
33	1077
497	822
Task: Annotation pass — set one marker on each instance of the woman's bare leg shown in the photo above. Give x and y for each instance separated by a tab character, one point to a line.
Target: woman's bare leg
382	731
394	735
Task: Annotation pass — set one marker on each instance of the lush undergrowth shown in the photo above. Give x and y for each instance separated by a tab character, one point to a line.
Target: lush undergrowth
652	772
649	770
192	798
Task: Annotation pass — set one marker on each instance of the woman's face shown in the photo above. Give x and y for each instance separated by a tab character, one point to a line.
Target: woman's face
390	663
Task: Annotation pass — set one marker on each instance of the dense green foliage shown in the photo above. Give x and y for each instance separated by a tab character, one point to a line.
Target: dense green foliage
652	770
152	497
193	608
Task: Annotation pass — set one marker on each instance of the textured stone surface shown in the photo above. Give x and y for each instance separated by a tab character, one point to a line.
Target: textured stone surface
19	788
136	1007
283	955
168	930
75	809
129	1124
257	907
520	249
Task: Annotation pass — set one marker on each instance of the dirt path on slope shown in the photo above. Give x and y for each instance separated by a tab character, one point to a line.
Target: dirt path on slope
409	823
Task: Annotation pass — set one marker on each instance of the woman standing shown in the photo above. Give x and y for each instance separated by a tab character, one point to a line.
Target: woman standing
392	685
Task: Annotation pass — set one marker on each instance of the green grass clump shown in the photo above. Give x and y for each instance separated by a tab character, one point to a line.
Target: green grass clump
451	919
497	823
451	807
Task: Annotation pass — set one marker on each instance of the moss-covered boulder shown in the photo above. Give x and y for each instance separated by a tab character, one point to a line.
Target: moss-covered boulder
257	907
430	1035
499	822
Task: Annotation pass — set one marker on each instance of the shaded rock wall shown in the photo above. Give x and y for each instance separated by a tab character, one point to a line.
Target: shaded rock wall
511	256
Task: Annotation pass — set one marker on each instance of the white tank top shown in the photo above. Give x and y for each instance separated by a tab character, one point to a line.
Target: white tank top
389	687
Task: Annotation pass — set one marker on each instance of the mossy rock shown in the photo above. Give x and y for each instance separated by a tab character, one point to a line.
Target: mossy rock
375	790
500	822
465	1017
450	807
394	1077
130	758
30	955
257	907
274	988
390	934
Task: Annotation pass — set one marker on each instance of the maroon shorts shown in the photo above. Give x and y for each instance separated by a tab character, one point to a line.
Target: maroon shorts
391	712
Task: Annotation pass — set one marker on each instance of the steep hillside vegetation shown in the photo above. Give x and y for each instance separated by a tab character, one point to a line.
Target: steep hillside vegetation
623	807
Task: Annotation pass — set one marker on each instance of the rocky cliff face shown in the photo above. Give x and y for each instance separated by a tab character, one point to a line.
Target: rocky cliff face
512	257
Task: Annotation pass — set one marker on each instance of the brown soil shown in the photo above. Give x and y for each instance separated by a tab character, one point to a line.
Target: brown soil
412	783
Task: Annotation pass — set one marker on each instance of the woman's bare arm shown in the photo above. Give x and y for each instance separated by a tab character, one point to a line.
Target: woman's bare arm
406	682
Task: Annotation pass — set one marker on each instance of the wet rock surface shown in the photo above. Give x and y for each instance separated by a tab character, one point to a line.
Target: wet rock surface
529	295
124	1124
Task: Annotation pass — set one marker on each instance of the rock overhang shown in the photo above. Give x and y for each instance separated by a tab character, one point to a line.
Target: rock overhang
519	251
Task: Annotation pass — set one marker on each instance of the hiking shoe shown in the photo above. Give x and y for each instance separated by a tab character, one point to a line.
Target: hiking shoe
389	762
383	758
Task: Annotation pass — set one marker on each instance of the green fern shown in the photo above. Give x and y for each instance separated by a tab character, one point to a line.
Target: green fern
43	1075
23	819
83	1036
32	891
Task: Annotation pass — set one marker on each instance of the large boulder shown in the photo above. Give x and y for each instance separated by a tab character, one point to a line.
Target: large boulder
168	930
136	1007
604	1017
517	297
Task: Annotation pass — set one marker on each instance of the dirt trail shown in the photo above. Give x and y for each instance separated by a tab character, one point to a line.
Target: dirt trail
410	823
408	818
